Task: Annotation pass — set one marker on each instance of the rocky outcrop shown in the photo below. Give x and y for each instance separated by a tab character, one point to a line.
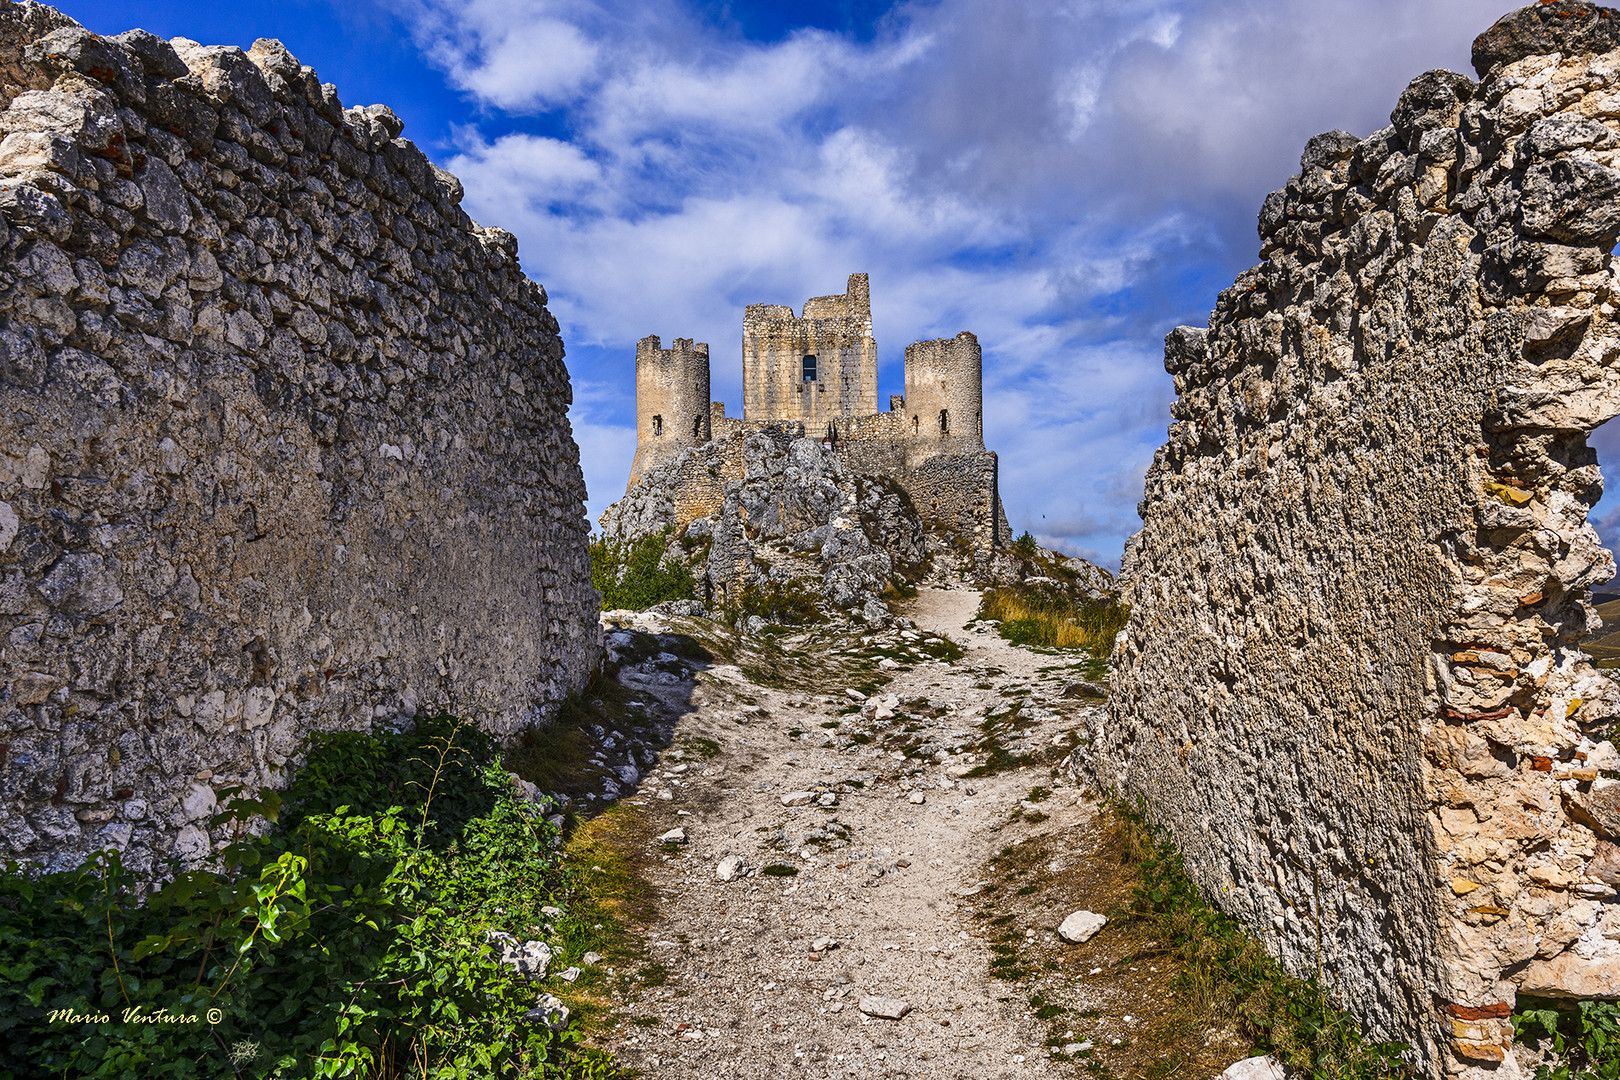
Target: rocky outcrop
283	439
797	516
1351	685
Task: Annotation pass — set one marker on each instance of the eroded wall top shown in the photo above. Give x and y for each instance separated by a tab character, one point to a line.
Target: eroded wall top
283	439
1350	685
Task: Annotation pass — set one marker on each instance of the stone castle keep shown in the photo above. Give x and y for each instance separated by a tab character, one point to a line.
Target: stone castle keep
816	374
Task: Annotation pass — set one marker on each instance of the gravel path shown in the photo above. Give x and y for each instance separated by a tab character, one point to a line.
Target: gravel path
767	975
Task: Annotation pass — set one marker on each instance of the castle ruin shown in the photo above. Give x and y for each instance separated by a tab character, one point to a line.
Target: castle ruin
1351	686
816	374
284	440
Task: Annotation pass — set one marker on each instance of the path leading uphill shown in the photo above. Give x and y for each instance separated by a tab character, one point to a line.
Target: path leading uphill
872	865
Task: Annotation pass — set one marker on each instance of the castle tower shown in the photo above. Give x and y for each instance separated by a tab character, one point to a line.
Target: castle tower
672	401
815	368
944	397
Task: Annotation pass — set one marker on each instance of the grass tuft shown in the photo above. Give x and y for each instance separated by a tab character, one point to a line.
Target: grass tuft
1226	977
1053	618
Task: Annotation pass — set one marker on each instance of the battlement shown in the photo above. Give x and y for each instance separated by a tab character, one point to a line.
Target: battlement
673	410
813	369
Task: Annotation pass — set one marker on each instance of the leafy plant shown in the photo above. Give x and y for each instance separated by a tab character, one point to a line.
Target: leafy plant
1583	1037
638	574
349	939
1025	545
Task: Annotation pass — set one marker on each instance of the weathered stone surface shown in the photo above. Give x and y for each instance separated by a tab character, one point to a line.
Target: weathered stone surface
781	511
1570	976
1351	685
283	439
1081	926
1264	1067
884	1008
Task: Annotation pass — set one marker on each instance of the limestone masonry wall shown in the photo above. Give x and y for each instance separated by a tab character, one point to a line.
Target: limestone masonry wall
283	439
837	332
1351	685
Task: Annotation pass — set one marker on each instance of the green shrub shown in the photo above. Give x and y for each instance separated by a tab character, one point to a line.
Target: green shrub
347	941
1025	545
1584	1037
789	603
637	574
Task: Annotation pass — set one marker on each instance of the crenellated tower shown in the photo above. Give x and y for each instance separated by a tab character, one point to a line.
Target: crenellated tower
816	368
672	401
944	403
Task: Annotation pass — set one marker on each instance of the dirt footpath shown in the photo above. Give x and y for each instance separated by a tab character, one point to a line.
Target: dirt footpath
860	827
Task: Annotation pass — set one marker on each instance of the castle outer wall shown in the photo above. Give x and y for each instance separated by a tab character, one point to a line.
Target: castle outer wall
285	440
1351	686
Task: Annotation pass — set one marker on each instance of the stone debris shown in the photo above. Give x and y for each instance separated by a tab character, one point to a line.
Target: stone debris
527	958
730	868
1081	926
917	798
569	974
549	1011
884	1008
1256	1068
676	835
798	798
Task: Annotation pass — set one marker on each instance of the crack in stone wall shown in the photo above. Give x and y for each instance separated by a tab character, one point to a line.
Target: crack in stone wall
1351	685
284	441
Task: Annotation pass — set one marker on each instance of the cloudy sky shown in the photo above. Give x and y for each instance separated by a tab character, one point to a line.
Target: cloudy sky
1068	180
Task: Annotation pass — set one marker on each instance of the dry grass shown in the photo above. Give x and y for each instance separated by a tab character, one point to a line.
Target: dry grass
1048	617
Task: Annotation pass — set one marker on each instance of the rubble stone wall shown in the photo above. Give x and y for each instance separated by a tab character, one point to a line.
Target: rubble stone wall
1351	685
283	439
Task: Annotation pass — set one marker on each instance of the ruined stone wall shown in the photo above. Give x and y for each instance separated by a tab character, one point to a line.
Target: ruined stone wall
837	331
673	410
1351	685
283	439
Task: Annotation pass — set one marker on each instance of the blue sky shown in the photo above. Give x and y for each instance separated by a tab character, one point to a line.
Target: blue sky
1067	179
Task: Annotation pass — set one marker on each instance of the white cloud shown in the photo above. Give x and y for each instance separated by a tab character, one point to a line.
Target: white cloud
512	55
1066	180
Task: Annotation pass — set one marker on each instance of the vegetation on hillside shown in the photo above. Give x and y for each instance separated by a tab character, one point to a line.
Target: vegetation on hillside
1226	978
1050	615
1581	1039
637	574
349	940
